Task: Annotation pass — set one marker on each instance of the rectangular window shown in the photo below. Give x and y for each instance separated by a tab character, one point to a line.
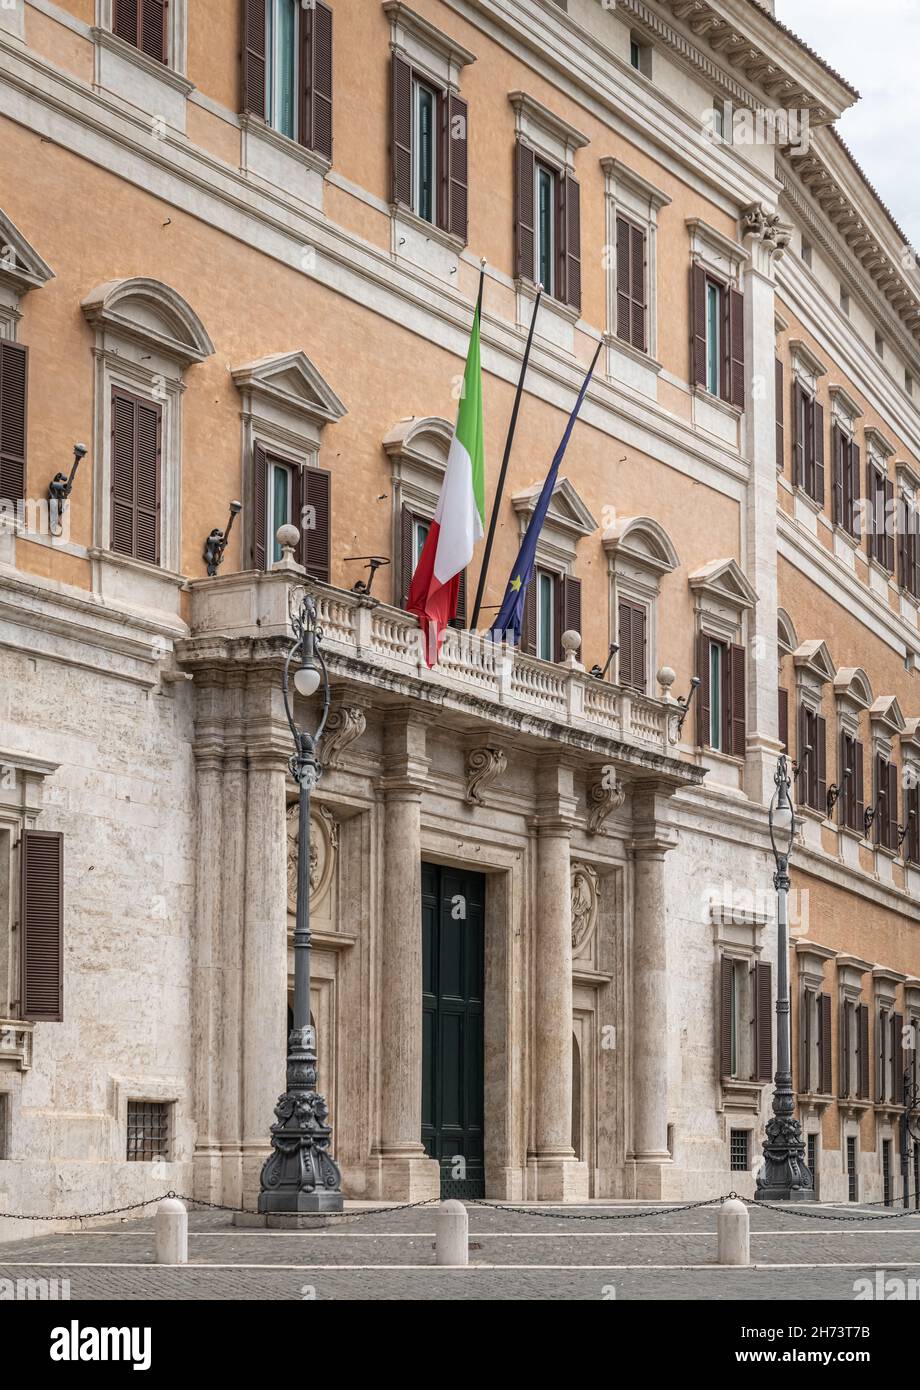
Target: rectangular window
631	293
812	1159
909	383
740	1150
852	1179
632	625
886	1171
4	1125
420	531
850	779
808	447
844	300
546	615
882	1039
640	55
806	252
136	462
880	490
14	373
425	143
142	23
282	66
281	504
545	228
879	345
715	695
886	803
713	337
287	69
148	1131
722	701
811	755
845	461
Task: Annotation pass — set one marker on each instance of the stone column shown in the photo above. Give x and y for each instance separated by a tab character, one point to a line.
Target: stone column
555	1173
401	1170
265	973
652	838
232	912
765	240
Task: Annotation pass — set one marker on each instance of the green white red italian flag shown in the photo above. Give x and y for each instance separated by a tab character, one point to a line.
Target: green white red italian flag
460	516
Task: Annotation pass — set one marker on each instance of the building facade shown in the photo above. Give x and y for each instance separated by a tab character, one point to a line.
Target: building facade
241	243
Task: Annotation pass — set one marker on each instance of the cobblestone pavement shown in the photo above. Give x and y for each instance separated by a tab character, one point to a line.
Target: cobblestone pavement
662	1254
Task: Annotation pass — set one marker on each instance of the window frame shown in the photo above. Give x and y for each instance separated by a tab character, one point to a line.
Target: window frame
422	85
541	168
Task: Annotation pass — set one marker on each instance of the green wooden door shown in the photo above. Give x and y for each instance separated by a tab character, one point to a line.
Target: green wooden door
453	975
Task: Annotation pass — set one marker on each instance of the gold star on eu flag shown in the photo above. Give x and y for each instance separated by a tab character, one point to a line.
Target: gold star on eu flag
515	583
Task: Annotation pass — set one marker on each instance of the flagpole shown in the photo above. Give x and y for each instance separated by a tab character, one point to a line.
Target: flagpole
506	457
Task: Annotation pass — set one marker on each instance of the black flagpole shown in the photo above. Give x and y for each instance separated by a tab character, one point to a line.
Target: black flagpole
506	456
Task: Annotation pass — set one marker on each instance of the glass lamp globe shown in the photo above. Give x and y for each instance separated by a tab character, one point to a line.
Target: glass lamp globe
306	680
782	823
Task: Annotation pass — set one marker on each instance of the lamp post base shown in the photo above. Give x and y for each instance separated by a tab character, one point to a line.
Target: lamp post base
785	1176
300	1175
299	1203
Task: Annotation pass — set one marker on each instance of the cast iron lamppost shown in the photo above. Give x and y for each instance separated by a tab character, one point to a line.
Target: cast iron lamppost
784	1176
301	1175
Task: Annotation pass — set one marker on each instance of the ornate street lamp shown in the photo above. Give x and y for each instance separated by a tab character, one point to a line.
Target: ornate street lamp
301	1175
784	1176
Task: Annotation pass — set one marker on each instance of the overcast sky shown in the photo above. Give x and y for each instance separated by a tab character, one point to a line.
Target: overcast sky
876	47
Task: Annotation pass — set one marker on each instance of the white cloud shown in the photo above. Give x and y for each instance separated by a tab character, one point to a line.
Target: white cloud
876	48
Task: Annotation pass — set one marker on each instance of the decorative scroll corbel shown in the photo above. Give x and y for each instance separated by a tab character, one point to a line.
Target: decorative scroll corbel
483	766
345	724
604	797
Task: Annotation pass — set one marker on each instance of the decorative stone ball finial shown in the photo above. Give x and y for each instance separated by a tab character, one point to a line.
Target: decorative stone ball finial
666	678
288	537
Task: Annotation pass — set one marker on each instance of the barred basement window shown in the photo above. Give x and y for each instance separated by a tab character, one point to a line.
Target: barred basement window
886	1171
148	1131
853	1194
740	1150
813	1159
4	1122
917	1176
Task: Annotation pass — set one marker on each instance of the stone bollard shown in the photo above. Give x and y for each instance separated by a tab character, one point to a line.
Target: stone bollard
170	1227
734	1227
452	1244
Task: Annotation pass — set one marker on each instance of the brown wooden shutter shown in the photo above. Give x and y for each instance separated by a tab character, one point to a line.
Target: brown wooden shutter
254	68
152	38
913	824
805	1040
862	1050
784	719
316	80
317	493
860	788
698	326
42	925
529	618
738	695
135	465
855	491
725	1016
406	566
824	1044
703	698
818	428
888	524
524	212
459	619
401	130
839	452
456	183
879	788
892	805
632	637
736	341
639	645
844	1079
571	603
149	420
882	1040
821	773
638	336
780	411
624	280
625	614
798	435
763	1020
259	508
897	1054
14	375
125	16
570	223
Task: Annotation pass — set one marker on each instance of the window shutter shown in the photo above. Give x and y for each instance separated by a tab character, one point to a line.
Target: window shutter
459	620
821	754
763	1020
125	14
42	925
316	81
401	135
860	790
524	212
259	508
798	447
882	1039
897	1053
624	280
824	1044
784	719
845	1078
839	451
317	492
638	336
725	1016
862	1050
888	523
780	410
152	37
135	466
913	824
639	660
570	221
625	614
456	184
571	603
703	699
529	619
880	787
14	374
698	325
736	342
557	618
852	521
254	83
147	514
405	554
805	1040
737	664
892	805
817	424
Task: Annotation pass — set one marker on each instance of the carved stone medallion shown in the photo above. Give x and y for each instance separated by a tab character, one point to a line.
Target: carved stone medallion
324	844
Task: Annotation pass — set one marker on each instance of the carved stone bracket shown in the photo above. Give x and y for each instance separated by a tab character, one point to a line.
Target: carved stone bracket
345	724
604	797
584	905
766	227
483	766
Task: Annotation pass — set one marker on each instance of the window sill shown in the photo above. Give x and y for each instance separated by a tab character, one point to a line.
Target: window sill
703	394
850	1106
140	80
123	581
281	162
292	148
806	498
645	359
815	1101
528	289
431	230
740	1095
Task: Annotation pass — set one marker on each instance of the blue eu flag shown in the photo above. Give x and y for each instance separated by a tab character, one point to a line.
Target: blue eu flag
507	625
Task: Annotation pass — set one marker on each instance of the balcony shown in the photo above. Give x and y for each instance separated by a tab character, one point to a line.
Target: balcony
371	643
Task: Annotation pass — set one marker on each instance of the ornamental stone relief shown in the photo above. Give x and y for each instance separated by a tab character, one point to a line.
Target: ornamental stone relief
483	766
344	725
584	905
324	844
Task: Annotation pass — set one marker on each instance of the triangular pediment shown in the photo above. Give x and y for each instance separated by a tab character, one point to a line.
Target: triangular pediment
566	508
887	712
815	657
20	264
725	580
292	382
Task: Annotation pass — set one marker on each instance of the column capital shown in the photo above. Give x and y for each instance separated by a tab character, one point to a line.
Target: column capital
654	832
